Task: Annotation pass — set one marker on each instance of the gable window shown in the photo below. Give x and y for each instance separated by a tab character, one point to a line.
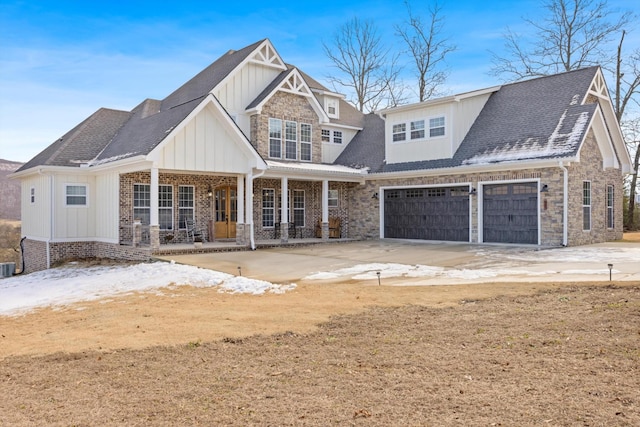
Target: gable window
32	195
165	207
186	204
399	132
436	127
275	138
268	207
417	129
610	198
333	198
76	195
332	108
305	142
290	140
586	205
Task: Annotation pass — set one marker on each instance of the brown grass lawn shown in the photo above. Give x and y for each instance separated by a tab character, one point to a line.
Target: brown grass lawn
496	354
344	354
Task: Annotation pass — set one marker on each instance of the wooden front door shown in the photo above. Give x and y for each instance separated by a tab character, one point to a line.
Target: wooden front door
226	212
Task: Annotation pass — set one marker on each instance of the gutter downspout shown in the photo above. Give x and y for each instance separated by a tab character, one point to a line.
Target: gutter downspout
565	206
250	178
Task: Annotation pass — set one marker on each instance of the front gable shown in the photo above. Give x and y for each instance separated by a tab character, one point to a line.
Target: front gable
207	141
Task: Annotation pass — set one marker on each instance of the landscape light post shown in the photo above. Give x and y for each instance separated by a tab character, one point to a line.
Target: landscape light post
610	267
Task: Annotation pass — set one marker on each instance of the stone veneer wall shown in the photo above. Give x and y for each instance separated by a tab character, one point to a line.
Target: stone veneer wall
286	106
590	169
204	205
365	217
313	206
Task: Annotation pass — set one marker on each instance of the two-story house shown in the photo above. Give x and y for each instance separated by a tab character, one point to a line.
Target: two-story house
252	149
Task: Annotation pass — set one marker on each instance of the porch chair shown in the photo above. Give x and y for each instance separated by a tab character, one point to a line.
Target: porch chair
193	232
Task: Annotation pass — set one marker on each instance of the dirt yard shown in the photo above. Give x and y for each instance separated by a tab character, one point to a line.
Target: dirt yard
337	354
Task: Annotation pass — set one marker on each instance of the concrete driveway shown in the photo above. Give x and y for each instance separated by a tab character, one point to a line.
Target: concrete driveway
425	263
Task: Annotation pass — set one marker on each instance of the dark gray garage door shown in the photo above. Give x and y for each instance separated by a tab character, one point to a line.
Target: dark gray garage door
510	213
427	213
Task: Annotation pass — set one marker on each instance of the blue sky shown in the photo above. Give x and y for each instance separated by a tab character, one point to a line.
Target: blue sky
62	60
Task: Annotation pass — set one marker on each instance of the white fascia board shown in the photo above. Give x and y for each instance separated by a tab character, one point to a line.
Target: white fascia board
438	101
341	126
492	167
328	93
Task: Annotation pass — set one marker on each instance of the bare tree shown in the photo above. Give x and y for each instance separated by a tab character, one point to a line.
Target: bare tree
357	51
427	48
573	34
631	131
627	75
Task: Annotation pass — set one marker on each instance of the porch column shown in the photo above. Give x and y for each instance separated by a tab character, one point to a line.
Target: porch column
154	223
240	221
284	210
325	210
249	211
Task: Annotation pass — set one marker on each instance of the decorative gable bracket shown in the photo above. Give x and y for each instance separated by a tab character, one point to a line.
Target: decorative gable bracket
267	55
295	84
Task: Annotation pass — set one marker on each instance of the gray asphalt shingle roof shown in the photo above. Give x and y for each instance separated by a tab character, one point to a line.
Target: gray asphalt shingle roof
530	120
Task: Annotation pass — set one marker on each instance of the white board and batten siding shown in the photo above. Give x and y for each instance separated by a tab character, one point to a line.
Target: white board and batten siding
107	211
74	222
459	115
35	223
331	151
204	145
242	88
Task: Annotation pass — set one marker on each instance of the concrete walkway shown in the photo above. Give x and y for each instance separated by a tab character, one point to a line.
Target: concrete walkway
426	263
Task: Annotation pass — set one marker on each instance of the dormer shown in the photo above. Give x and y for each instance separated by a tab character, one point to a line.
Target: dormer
433	129
330	102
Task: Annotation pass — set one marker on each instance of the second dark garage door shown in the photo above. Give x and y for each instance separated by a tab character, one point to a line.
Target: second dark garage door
510	213
440	213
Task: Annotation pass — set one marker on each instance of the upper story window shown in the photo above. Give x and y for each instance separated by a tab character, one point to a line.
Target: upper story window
305	142
332	136
293	142
416	129
436	127
32	195
332	107
275	138
399	132
76	195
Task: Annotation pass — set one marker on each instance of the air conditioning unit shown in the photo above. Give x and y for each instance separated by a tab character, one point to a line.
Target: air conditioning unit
7	269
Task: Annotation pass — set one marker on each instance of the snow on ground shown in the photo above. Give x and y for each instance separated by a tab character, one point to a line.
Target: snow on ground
73	283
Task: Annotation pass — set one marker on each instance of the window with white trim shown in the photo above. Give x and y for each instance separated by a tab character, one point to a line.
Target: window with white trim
417	129
142	203
333	198
610	203
275	138
332	136
436	127
586	205
399	132
332	107
165	207
268	207
305	142
32	195
186	205
290	140
298	208
76	194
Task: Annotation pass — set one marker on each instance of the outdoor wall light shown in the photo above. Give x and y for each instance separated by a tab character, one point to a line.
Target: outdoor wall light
544	188
472	191
209	192
375	196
